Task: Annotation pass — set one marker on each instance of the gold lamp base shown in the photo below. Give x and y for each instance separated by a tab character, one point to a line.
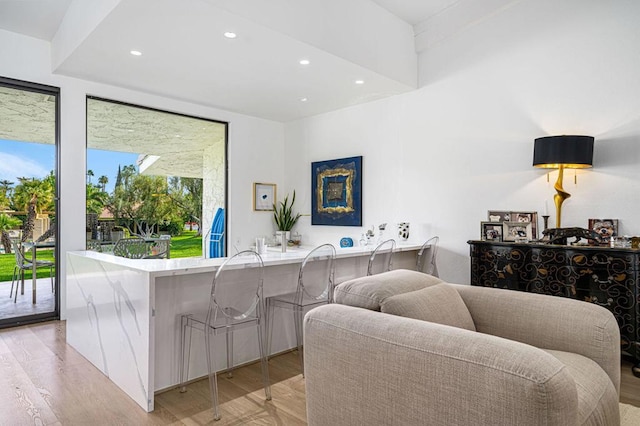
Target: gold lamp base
561	195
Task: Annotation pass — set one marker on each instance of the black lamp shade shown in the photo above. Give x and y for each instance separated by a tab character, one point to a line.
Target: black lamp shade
570	151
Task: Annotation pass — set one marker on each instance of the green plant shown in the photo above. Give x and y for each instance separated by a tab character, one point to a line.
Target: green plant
283	214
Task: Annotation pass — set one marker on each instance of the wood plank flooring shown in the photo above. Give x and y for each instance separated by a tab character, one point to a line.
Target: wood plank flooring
43	381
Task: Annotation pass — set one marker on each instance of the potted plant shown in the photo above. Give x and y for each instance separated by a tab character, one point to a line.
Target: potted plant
117	233
284	217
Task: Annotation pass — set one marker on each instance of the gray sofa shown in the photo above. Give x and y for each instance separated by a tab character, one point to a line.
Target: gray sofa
505	357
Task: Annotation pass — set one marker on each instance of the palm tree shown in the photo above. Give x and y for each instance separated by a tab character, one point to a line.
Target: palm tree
96	199
103	180
23	194
89	175
5	192
6	223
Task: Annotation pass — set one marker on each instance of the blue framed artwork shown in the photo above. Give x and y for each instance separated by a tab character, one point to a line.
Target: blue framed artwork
336	188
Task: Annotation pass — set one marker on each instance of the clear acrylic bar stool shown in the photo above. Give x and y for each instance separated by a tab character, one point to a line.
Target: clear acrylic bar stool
380	259
426	261
235	302
315	288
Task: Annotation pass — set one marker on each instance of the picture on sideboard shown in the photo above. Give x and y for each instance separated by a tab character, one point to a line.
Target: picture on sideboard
516	225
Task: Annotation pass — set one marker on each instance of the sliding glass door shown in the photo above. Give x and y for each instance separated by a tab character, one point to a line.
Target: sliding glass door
29	139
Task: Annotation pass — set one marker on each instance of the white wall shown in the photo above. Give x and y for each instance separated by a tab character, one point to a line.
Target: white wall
462	144
255	145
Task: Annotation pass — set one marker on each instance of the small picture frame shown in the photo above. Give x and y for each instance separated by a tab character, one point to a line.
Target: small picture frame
498	216
517	231
491	231
607	228
264	196
527	217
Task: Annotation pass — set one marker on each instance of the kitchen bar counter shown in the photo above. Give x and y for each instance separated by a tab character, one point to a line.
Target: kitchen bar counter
123	314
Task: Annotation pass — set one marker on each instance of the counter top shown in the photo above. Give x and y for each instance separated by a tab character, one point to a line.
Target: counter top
179	266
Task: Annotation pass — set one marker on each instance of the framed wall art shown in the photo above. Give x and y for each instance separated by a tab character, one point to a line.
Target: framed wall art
491	231
264	195
336	189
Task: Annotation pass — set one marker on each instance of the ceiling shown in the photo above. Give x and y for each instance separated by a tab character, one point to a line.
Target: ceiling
185	55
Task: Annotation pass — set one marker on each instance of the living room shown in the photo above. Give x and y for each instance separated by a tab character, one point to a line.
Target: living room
453	142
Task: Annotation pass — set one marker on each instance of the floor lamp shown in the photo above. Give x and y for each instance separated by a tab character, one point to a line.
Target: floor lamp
562	152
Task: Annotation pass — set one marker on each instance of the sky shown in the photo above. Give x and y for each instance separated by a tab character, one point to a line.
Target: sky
25	159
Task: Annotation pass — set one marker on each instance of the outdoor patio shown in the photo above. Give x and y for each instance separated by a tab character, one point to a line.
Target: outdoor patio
23	306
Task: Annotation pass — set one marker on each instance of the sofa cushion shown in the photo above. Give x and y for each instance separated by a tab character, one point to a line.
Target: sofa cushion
440	303
597	397
370	291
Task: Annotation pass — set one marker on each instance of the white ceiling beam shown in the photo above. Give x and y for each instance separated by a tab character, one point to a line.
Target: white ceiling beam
454	19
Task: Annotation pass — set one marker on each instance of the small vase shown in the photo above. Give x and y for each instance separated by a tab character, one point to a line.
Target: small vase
279	235
403	231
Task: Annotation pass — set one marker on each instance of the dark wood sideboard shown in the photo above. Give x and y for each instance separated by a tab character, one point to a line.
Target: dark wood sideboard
609	277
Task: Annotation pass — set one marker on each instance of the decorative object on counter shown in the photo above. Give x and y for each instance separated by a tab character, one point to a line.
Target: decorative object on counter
521	217
283	214
562	152
296	239
264	196
381	229
370	234
560	235
346	242
336	188
403	231
606	228
491	231
261	245
363	240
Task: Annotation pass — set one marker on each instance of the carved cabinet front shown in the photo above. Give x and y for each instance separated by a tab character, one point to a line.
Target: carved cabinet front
605	276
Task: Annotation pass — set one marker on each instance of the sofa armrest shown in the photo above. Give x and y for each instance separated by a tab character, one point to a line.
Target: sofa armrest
547	322
369	368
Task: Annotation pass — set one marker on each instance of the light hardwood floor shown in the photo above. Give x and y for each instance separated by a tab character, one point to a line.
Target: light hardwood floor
45	381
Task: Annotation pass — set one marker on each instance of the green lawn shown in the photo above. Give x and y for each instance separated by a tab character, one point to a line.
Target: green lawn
186	245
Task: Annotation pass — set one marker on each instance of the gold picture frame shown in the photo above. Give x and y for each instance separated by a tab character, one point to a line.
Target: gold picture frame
264	196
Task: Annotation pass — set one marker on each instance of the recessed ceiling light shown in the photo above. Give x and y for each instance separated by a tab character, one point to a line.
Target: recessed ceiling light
303	99
304	62
129	130
230	34
359	81
136	53
178	136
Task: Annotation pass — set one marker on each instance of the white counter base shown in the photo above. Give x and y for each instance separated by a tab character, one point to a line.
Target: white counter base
123	315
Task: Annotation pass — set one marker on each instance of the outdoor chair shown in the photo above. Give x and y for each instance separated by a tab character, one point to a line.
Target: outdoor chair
131	248
23	265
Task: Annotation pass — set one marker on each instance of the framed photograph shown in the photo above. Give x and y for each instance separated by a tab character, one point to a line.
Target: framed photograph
498	216
527	217
264	195
516	231
336	192
607	228
491	231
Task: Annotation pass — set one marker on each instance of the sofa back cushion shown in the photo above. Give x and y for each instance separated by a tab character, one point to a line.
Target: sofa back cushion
369	292
440	304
